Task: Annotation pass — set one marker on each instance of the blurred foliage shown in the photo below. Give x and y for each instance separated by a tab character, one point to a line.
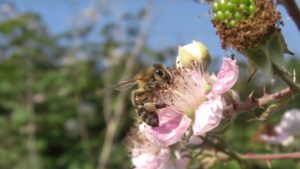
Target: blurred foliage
50	91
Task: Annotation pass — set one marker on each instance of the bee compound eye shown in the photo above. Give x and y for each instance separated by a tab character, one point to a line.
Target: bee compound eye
159	72
232	57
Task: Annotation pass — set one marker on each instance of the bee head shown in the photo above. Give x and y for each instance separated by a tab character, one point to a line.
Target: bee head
161	73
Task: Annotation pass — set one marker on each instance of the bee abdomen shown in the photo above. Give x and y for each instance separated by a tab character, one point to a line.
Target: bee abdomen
150	118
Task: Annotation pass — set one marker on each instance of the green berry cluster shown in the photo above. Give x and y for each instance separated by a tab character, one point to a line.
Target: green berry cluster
231	11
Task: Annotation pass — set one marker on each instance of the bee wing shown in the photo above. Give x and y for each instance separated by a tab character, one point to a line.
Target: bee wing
125	85
121	86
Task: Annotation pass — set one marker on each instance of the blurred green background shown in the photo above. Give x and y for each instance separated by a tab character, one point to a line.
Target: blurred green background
53	113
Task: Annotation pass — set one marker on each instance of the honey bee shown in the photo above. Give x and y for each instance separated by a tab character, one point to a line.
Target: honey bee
142	98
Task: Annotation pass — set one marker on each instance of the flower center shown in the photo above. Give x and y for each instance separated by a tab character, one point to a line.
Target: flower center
187	90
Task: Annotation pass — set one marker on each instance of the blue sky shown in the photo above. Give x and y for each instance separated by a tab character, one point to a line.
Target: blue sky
175	22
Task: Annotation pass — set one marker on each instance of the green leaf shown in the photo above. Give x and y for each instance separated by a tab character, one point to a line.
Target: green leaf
276	48
264	56
258	59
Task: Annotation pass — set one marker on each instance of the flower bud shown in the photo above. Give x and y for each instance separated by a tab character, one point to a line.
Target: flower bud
196	52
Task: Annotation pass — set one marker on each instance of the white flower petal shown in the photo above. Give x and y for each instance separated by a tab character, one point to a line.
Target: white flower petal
208	116
290	123
152	160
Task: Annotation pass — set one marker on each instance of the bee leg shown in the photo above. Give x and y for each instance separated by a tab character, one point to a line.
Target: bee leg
150	86
138	96
150	106
160	105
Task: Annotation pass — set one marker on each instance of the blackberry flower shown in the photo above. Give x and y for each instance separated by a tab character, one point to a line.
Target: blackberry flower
147	155
192	97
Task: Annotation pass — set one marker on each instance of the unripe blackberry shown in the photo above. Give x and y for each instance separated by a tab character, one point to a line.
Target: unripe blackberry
237	22
231	8
252	28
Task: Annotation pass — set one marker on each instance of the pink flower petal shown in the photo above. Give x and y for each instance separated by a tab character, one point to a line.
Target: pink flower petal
208	116
181	160
152	160
289	123
227	76
195	140
282	139
173	125
288	127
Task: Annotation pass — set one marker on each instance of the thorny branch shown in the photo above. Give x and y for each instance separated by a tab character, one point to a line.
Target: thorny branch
286	77
261	102
251	102
292	9
222	147
251	156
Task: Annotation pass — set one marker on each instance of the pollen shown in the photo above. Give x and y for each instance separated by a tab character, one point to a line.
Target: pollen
187	89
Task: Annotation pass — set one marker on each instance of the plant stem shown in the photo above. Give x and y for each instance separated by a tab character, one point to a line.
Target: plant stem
292	9
83	130
252	102
270	156
31	127
286	77
222	147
